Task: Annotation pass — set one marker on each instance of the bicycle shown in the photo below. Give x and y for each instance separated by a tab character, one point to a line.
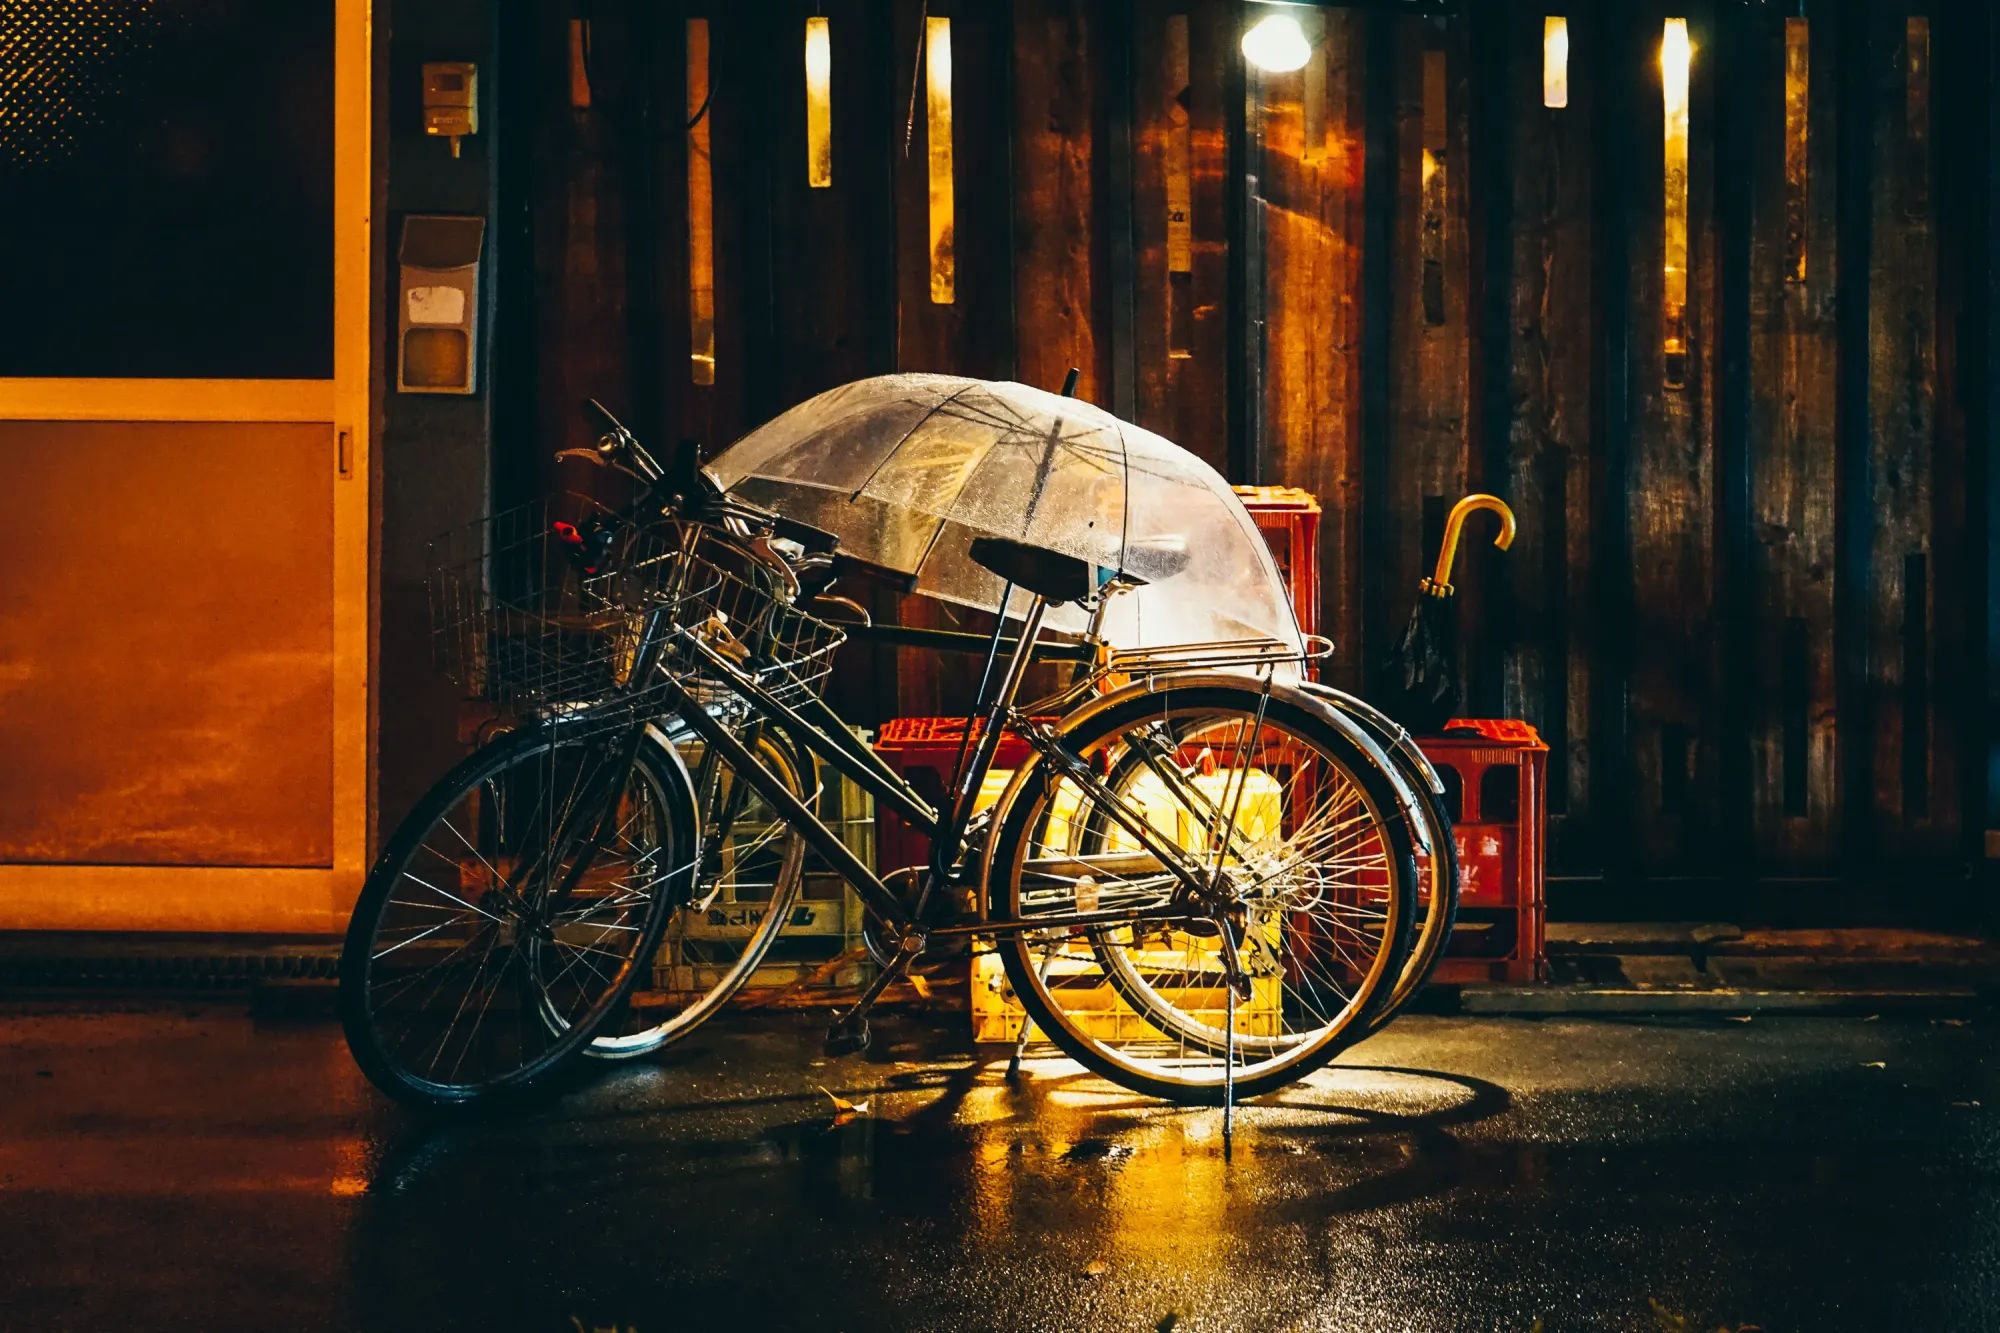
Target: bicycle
1202	882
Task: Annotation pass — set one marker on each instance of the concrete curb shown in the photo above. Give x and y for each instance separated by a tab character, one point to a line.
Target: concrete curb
1580	1000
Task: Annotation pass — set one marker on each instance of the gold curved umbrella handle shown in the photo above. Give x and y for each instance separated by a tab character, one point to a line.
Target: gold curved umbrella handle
1439	583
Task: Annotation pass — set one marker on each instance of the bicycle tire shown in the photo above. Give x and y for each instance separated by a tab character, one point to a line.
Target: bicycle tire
1174	1074
610	918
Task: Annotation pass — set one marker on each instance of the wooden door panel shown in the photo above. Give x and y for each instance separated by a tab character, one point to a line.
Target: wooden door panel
166	643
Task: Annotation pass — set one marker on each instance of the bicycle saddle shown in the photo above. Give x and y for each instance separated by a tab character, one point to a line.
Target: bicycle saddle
1051	574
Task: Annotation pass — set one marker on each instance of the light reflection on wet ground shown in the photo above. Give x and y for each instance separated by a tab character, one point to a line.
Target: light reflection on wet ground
188	1168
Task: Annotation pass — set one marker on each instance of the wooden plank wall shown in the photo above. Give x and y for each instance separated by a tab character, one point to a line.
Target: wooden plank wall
1746	609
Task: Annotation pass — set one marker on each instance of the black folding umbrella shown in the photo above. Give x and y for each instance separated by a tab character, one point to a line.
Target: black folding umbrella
1422	674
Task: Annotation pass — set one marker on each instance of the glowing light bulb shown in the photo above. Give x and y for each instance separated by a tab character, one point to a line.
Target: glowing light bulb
1277	45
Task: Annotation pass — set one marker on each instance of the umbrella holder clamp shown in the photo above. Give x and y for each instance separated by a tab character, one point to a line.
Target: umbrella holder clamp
1495	774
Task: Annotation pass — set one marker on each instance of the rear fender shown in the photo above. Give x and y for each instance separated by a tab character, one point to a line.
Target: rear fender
1297	695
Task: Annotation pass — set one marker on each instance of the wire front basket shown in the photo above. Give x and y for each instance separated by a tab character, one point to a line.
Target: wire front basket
558	607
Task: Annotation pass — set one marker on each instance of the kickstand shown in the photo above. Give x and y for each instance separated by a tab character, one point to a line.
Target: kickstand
1027	1027
1229	1074
1014	1061
848	1034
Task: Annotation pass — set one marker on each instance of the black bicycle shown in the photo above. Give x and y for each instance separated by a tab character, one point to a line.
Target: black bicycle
1203	883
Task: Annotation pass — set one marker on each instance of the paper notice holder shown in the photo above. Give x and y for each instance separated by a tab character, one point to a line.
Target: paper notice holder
437	304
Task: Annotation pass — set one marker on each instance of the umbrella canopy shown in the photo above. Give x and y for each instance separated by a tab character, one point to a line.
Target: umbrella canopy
907	469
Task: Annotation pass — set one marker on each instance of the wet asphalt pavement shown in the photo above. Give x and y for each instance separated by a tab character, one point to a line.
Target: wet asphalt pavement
185	1167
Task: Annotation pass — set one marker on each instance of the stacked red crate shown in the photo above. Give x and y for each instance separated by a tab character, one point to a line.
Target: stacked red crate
924	750
1495	773
1289	519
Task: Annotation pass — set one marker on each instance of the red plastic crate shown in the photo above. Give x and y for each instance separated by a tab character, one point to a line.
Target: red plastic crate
923	750
1496	788
1289	519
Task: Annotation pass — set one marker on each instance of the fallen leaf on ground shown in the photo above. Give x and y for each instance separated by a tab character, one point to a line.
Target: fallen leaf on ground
1872	1018
841	1106
1875	1064
1737	1018
1952	1022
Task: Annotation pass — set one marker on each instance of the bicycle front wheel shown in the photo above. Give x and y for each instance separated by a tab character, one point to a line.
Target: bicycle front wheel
751	866
1311	871
512	911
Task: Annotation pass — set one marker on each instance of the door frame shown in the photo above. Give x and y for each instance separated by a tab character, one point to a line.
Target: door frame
256	899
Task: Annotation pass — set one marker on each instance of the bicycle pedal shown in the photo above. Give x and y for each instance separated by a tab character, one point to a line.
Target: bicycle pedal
847	1037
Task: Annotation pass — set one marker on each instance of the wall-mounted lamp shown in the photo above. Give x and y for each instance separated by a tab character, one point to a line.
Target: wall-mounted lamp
1277	45
1676	53
819	105
1555	61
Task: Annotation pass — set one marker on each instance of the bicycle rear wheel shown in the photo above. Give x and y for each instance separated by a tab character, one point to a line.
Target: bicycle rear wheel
752	864
512	911
1316	878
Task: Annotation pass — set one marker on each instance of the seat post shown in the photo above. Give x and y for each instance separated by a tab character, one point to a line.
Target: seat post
945	848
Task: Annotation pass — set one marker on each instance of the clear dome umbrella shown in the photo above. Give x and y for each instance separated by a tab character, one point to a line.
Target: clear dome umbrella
907	469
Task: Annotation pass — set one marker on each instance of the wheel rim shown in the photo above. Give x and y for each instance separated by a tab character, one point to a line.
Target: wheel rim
493	955
1312	876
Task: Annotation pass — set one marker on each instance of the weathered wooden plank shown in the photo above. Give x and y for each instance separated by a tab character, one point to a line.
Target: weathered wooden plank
1430	388
1962	34
826	312
1902	389
1061	267
974	334
579	238
1309	216
1182	281
1794	354
1546	669
1671	506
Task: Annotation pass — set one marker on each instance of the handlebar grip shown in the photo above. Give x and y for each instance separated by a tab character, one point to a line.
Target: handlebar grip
816	540
844	564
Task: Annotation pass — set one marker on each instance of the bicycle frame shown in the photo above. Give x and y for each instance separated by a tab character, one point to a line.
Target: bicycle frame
813	725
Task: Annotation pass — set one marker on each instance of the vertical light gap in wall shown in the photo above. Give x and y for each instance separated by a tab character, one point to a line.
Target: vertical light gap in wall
819	104
1675	57
1798	46
701	209
579	64
1917	112
937	78
1555	61
1435	138
1180	195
